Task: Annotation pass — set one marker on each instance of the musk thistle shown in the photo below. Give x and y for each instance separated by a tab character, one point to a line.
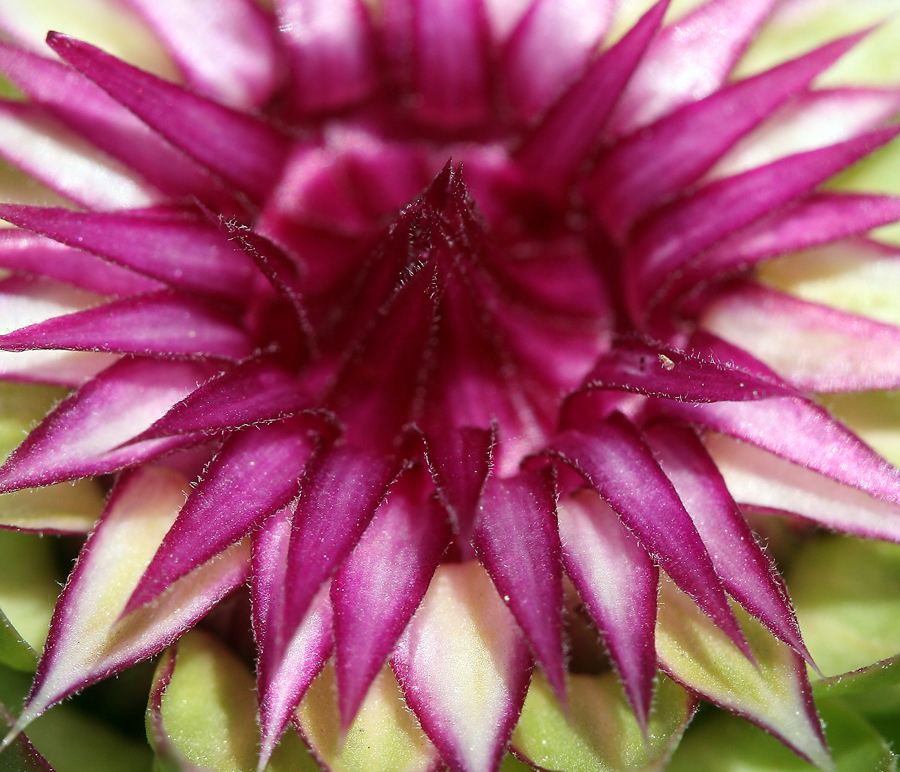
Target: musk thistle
442	326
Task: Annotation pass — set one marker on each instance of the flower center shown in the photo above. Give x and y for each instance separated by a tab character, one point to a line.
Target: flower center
440	321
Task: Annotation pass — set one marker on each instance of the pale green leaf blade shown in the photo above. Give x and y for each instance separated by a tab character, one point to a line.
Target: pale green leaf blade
775	692
873	415
384	736
601	734
724	743
22	405
28	591
800	27
61	508
847	596
861	277
204	716
512	764
72	741
89	638
882	676
14	651
21	756
66	507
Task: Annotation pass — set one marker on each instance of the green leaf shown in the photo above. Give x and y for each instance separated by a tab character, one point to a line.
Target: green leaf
601	733
384	736
21	755
90	640
206	713
22	405
872	62
61	508
512	764
874	692
882	675
72	741
774	693
14	651
28	590
874	415
724	743
68	507
876	173
13	688
857	279
847	595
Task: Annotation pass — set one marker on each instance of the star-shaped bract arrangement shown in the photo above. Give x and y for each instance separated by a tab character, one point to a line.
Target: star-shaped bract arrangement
444	320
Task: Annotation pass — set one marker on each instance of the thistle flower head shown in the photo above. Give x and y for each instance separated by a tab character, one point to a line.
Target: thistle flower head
437	324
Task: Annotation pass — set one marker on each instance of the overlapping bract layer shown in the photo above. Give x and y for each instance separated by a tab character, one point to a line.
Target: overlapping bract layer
426	391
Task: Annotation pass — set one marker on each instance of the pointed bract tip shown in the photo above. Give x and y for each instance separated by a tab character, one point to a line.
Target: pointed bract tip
794	639
21	723
808	659
440	191
558	682
348	710
59	41
643	721
348	707
10	737
654	16
740	640
266	749
562	694
139	598
641	702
